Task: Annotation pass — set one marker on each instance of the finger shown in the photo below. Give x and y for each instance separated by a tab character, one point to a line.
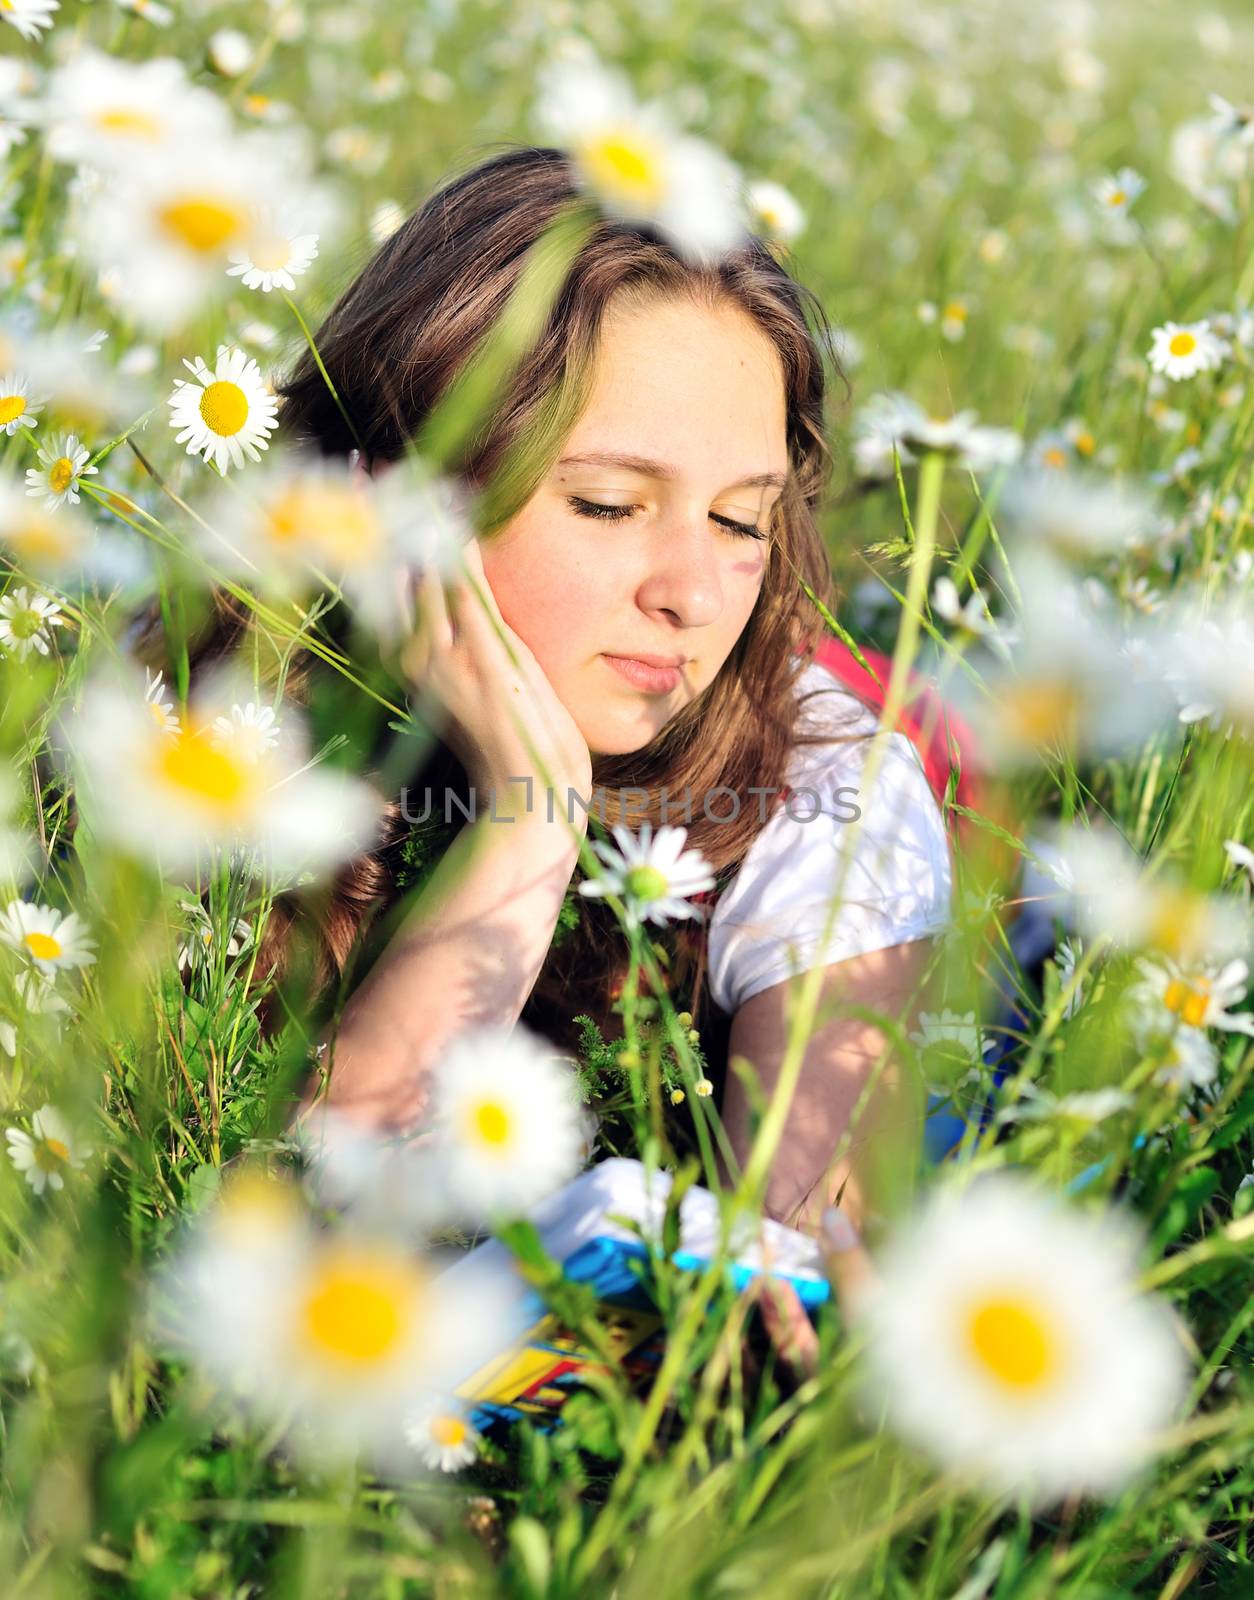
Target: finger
845	1260
435	611
790	1329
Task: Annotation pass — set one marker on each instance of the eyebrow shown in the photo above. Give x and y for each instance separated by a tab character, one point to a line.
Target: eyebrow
663	470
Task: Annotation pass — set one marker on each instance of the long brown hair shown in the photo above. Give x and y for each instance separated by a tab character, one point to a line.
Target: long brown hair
392	344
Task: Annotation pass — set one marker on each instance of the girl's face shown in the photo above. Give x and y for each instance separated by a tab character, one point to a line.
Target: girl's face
627	548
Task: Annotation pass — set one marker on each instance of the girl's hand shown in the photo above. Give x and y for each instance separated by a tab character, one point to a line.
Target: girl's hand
850	1273
459	656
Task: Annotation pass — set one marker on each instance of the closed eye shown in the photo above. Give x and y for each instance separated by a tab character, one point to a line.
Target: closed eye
592	508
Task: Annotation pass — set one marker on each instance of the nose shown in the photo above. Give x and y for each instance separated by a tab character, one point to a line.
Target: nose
683	578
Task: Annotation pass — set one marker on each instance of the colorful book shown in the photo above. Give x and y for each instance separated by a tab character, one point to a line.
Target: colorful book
541	1362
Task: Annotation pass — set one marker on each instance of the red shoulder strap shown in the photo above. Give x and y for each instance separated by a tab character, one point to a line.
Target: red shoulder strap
944	741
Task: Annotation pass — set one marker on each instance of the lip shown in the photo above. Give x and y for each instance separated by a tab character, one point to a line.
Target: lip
652	674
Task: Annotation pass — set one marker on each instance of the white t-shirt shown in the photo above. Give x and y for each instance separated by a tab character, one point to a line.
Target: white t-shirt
768	923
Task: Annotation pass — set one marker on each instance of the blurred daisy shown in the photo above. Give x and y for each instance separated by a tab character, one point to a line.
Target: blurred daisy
1241	857
1114	896
1211	660
1201	995
442	1434
229	52
1189	1060
170	798
953	320
1007	1338
1069	686
1182	350
25	619
17	408
339	1336
153	11
29	16
227	413
159	702
63	462
37	997
956	1032
199	944
1117	193
301	524
775	211
46	937
971	617
247	732
1082	1110
1077	514
655	876
636	165
507	1118
47	542
106	112
47	1152
272	258
893	418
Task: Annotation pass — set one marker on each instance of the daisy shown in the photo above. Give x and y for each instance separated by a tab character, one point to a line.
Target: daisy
775	210
201	936
508	1122
247	732
64	464
47	1152
893	418
338	1336
1182	350
953	320
1212	663
106	112
25	619
1189	1060
1006	1337
45	936
160	705
153	11
170	798
1083	1109
971	617
29	16
1077	514
1114	897
1066	958
957	1033
1198	996
37	997
443	1435
636	165
17	408
1241	857
304	523
49	542
227	413
654	876
1117	193
272	258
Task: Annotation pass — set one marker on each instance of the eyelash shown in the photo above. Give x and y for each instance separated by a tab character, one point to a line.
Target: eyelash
590	508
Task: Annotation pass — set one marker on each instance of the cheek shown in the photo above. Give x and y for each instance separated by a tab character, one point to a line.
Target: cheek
552	603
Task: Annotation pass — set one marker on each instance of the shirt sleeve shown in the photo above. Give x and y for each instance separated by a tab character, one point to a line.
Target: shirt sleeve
769	924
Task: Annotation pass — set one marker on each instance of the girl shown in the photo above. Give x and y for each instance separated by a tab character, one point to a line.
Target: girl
646	535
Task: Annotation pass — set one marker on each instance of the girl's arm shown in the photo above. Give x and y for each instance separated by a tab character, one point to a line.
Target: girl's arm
467	955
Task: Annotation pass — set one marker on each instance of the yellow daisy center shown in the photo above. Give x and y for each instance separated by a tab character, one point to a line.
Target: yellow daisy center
1189	1001
200	770
625	167
1012	1341
41	537
269	252
1054	457
357	1310
1182	344
50	1154
340	522
1041	712
129	123
60	474
1177	920
492	1122
1085	443
646	883
11	407
449	1432
201	223
24	624
43	946
224	407
1116	197
955	312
